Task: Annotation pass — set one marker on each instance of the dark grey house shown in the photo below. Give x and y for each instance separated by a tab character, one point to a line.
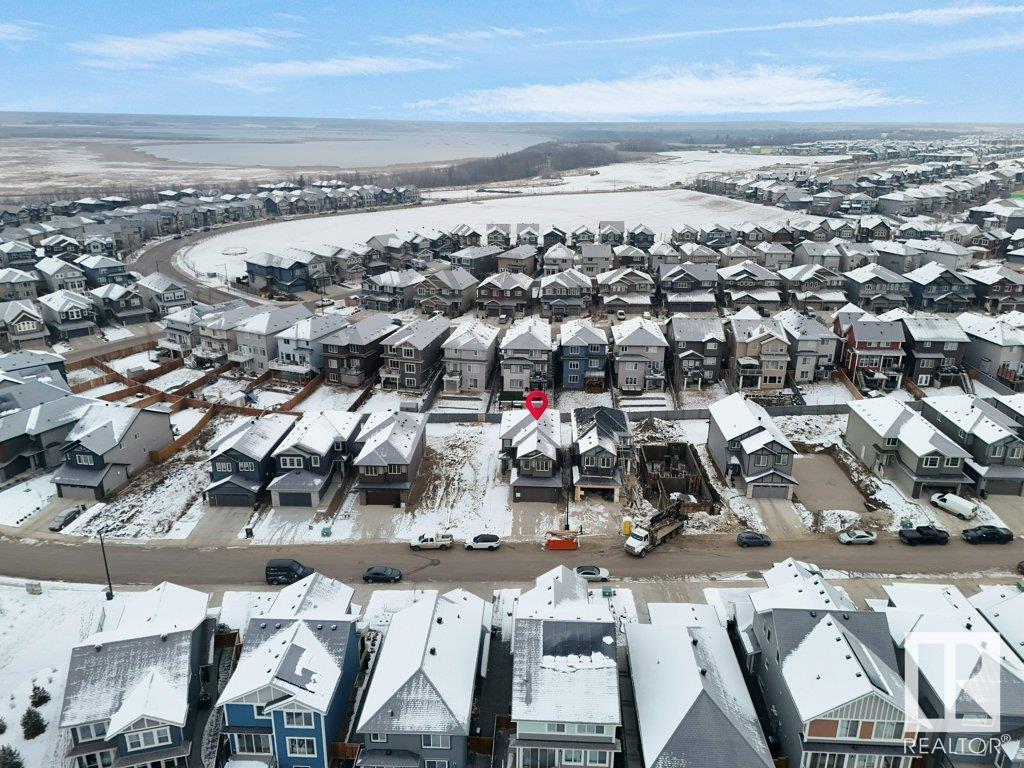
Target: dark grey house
531	454
750	450
412	354
698	349
242	461
311	455
389	449
937	288
688	287
602	451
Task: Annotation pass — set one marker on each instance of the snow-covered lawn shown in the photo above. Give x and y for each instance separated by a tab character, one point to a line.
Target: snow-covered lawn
224	389
327	398
19	502
388	400
570	399
112	333
981	390
659	210
182	421
647	402
269	398
660	431
138	360
37	634
172	380
825	393
84	374
103	389
691	398
61	347
813	430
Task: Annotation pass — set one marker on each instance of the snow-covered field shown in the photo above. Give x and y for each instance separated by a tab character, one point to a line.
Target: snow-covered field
389	400
138	360
701	397
570	399
19	502
658	431
179	377
103	389
110	333
185	419
813	430
327	398
825	393
37	634
84	374
660	210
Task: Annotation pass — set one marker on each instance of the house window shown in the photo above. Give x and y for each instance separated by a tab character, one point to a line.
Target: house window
298	719
26	325
572	757
379	738
606	462
145	739
849	729
314	461
252	743
931	461
952	461
408	352
91	732
555	727
711	346
291	462
246	466
781	460
590	729
761	460
222	466
301	747
574	365
595	757
997	451
371	471
84	459
886	730
98	760
395	469
435	764
435	741
1015	452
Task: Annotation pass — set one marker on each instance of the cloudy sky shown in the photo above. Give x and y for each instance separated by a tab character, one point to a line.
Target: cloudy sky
523	60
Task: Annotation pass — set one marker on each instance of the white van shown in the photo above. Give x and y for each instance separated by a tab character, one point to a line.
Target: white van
955	505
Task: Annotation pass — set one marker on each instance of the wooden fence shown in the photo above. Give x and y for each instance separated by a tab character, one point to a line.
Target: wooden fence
169	450
303	393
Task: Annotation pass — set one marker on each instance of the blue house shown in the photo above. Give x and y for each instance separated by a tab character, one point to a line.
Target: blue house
293	271
242	461
584	349
103	270
134	684
286	701
308	457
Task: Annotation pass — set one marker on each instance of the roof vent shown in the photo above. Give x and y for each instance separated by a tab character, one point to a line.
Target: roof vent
440	620
969	625
703	672
333	627
163	637
97	647
846	617
278	625
263	625
694	641
319	626
813	614
433	651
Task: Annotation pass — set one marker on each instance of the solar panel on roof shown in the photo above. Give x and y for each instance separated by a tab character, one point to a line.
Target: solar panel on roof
578	638
289	670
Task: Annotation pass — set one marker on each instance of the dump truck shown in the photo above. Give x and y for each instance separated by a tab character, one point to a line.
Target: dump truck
661	527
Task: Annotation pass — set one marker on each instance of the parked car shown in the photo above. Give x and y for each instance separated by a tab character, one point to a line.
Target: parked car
955	505
753	539
592	572
987	534
924	534
502	319
620	314
857	536
382	574
64	517
432	541
282	571
489	541
325	302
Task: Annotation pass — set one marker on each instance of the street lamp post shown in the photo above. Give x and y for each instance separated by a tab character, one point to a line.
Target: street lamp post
106	568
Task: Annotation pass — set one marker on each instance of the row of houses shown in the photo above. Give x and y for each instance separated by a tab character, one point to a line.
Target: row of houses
791	669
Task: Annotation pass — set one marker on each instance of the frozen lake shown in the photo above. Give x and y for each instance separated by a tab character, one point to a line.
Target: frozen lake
661	210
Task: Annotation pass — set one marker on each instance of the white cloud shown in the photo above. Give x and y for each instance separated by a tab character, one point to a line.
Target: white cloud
266	76
18	31
462	38
930	51
946	15
161	47
673	93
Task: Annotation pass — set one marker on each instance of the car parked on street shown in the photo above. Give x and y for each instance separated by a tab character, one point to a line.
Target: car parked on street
489	541
382	574
955	505
753	539
432	541
987	534
63	518
924	534
857	536
285	571
592	572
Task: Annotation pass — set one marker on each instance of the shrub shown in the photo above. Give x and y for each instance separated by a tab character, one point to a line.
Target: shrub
39	696
3	726
32	724
10	757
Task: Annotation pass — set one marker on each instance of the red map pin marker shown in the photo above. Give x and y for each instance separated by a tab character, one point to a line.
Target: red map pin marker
536	403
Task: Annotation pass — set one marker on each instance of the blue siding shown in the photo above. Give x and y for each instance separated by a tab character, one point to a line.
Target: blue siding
281	734
243	714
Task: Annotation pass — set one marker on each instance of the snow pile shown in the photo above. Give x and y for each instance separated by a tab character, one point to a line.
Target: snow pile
734	501
172	380
827	519
813	430
84	374
576	662
110	333
326	398
132	362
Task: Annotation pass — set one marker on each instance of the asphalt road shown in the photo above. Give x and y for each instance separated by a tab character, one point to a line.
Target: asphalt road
694	556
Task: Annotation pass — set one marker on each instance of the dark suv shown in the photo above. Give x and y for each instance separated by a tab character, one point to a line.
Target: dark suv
987	534
286	571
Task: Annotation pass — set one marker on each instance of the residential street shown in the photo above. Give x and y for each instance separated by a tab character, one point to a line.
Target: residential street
695	556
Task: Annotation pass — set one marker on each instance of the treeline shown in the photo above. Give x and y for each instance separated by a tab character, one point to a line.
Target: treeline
645	144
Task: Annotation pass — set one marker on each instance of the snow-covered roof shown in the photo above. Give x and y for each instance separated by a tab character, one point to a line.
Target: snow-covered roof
530	332
874	272
696	329
425	673
974	416
317	431
420	333
692	703
102	426
63	300
988	275
891	418
746	268
159	282
640	332
581	332
273	320
472	334
930	272
569	278
735	415
255	437
991	329
1003	608
506	281
799	326
389	438
363	332
932	328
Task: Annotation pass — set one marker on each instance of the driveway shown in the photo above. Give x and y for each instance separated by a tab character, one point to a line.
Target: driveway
780	519
1011	510
823	485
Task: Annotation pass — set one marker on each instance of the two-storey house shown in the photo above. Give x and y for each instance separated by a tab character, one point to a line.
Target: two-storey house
506	293
163	294
698	350
638	356
499	235
522	260
119	303
310	455
595	258
990	435
287	699
15	254
897	443
758	351
997	289
293	271
68	314
935	349
750	450
256	337
526	358
812	286
242	461
469	358
873	353
420	702
103	270
773	256
531	454
448	291
812	346
558	258
566	294
996	348
149	656
602	451
412	354
300	347
820	254
625	290
875	288
21	325
749	284
584	355
108	446
352	355
217	337
60	275
937	288
389	449
181	328
16	284
390	291
478	260
689	287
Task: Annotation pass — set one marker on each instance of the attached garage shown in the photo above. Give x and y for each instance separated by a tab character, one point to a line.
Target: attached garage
769	491
294	499
229	498
386	498
79	492
1004	486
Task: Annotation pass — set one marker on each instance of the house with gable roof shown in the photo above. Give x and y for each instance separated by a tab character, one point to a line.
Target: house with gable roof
526	355
625	290
602	451
558	258
256	336
469	356
163	294
133	685
750	450
412	354
689	287
638	357
288	695
390	291
531	454
996	347
998	289
388	449
759	351
749	284
449	291
68	314
21	325
310	455
872	351
120	303
936	287
584	355
418	708
16	284
505	293
812	286
698	349
876	288
566	294
812	346
352	354
242	461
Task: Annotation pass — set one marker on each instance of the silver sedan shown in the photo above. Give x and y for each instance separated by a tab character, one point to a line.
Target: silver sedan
857	536
592	573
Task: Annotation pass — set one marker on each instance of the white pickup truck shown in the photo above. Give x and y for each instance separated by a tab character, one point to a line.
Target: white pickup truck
432	541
